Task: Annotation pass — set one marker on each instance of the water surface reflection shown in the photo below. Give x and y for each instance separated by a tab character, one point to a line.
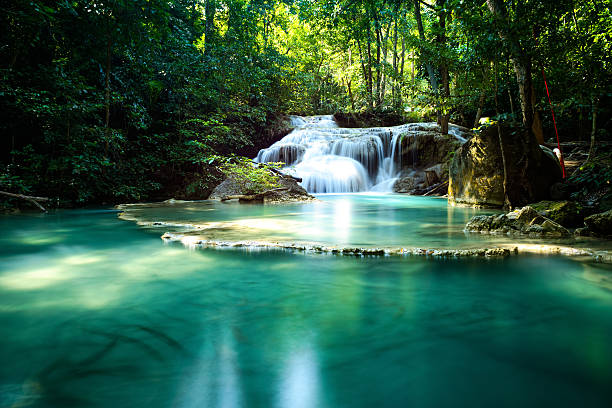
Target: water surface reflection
96	312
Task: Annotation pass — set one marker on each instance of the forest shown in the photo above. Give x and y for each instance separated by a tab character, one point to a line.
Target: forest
129	100
305	203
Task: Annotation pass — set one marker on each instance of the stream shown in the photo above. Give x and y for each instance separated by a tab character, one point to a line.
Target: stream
97	311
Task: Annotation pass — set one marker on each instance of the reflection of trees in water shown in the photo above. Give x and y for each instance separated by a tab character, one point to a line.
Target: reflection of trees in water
118	353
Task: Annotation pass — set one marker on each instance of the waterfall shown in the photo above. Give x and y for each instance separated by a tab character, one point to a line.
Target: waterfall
330	159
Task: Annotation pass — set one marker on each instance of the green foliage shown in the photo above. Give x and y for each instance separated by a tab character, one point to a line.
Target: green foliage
185	82
175	98
593	176
253	178
11	182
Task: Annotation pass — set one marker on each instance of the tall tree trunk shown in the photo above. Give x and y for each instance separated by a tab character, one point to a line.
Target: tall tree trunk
377	30
401	75
430	70
521	62
536	126
395	63
508	86
370	84
522	69
594	104
365	73
385	50
444	115
507	203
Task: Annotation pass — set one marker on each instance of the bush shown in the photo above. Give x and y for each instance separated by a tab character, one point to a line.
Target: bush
253	178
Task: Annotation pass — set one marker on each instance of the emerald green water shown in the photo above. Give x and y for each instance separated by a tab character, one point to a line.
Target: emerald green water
337	219
98	312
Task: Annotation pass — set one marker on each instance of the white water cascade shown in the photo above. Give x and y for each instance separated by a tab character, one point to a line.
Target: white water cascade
330	159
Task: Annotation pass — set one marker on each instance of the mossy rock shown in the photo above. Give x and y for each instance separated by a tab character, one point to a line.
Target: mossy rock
600	224
523	221
476	174
567	213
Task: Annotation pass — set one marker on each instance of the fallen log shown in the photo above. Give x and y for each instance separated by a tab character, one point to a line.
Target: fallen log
438	189
253	197
32	199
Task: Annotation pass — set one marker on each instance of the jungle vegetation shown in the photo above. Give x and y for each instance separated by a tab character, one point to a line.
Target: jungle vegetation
124	100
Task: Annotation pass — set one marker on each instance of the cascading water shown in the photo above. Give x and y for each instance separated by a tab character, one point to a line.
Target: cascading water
330	159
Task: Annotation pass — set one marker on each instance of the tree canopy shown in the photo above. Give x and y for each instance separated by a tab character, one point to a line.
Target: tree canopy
120	100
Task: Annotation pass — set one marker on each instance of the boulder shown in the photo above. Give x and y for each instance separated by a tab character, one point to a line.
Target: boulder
407	183
431	177
424	146
419	182
600	224
523	221
425	154
476	173
291	191
570	214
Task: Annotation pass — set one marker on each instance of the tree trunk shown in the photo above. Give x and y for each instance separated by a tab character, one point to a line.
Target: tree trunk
370	85
594	104
520	61
365	73
509	91
444	115
377	30
401	75
395	61
430	71
522	70
385	49
536	127
507	203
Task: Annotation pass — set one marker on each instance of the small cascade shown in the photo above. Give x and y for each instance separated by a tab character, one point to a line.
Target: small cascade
330	159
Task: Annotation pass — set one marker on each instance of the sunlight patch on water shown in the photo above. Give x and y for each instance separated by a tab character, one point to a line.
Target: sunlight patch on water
342	219
214	378
41	239
299	387
33	279
82	259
